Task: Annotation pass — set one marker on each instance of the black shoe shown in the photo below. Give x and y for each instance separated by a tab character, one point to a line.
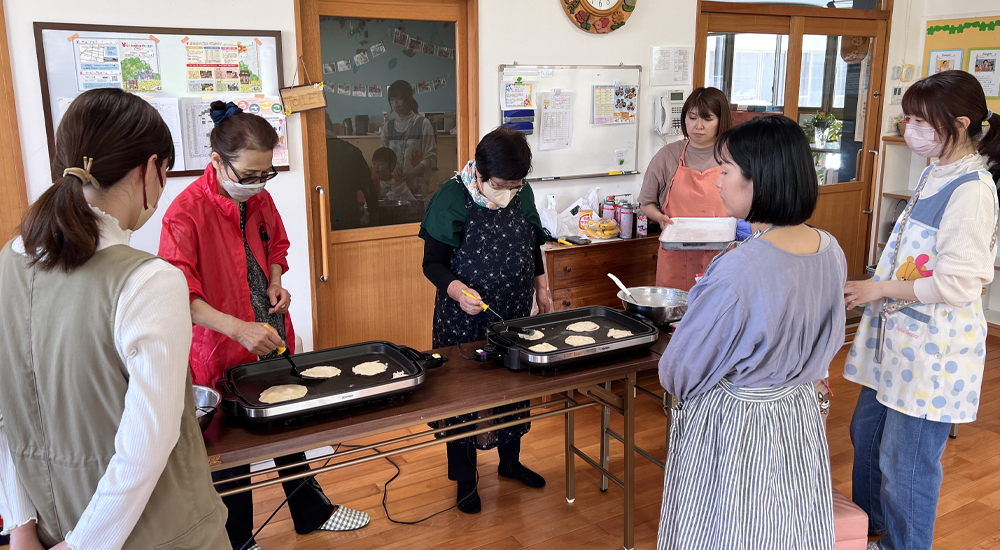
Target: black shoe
516	470
468	497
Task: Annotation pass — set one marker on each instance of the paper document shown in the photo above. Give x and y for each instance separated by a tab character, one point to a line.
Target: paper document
167	107
557	120
669	66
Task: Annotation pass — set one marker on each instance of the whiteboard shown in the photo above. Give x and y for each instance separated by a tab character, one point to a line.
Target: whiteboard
595	150
67	67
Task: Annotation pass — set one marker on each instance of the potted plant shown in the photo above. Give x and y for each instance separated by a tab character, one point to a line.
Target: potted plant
822	123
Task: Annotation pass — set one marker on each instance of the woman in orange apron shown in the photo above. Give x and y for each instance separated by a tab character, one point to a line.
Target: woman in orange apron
680	182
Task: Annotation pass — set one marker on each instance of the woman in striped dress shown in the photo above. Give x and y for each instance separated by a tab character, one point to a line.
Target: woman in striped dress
748	465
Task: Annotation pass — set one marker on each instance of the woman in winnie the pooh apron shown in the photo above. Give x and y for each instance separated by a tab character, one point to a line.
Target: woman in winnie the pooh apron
920	349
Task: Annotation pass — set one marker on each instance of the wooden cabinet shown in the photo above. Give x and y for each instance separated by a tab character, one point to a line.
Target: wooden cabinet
578	275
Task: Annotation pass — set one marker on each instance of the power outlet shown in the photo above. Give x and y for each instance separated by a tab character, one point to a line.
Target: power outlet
896	97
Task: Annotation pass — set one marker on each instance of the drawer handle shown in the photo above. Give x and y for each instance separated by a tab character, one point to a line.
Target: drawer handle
567	303
568	269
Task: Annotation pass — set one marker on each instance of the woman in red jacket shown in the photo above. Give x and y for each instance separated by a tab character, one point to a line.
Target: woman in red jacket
224	232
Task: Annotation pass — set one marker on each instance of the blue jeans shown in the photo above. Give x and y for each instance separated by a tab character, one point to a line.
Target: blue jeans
897	472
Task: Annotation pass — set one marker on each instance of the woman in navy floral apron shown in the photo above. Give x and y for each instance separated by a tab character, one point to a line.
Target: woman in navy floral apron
482	235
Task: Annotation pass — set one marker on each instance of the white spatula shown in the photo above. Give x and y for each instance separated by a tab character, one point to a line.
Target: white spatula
622	286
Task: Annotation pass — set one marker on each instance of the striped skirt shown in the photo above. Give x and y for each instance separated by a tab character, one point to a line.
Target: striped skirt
748	469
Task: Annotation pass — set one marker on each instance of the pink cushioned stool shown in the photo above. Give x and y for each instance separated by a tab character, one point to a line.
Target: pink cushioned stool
850	524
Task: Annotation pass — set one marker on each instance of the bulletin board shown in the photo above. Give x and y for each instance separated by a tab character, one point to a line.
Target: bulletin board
584	118
971	45
179	71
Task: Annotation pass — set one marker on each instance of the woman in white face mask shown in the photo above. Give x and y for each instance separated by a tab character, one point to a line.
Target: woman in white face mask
95	397
225	233
920	349
481	237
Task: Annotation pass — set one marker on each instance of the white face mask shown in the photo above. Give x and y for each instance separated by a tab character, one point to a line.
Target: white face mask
501	197
922	140
238	191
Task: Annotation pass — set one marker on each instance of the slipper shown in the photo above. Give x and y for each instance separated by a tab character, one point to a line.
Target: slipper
345	519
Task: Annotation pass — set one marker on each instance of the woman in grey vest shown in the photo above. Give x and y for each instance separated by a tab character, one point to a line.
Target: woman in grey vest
99	446
411	136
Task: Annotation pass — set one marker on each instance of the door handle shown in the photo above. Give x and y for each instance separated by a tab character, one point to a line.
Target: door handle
324	234
866	211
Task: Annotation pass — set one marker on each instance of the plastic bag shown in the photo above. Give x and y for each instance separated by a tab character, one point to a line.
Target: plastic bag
549	216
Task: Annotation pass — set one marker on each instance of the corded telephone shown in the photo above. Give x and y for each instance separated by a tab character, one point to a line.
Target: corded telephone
667	113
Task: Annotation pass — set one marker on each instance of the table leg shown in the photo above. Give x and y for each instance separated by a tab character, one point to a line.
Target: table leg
605	440
570	457
629	478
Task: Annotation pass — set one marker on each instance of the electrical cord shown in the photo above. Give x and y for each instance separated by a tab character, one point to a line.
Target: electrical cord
385	493
305	482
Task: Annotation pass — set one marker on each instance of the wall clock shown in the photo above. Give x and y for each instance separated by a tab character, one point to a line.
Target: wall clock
599	16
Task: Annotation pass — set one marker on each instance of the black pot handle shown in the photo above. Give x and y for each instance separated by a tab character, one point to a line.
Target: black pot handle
225	390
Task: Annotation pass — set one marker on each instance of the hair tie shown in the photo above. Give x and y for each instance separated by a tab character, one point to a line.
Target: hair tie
219	115
83	173
989	115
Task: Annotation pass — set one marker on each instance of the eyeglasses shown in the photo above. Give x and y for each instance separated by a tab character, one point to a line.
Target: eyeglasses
252	179
501	187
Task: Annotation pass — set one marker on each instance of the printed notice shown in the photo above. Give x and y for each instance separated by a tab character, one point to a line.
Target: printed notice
516	95
604	104
270	109
197	127
169	111
132	65
222	66
669	66
945	60
983	66
556	121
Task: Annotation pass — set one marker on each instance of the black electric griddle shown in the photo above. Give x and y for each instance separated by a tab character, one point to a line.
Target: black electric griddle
517	356
242	385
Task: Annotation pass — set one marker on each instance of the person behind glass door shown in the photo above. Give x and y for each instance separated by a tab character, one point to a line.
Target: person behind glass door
926	372
390	188
225	233
680	182
412	137
99	445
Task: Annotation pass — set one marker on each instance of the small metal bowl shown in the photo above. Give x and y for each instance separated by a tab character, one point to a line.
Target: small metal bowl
659	304
206	402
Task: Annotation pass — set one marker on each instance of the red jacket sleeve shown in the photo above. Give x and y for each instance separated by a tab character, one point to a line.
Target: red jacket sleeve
280	244
179	246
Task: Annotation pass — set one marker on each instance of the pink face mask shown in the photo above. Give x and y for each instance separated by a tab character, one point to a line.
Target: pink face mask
921	140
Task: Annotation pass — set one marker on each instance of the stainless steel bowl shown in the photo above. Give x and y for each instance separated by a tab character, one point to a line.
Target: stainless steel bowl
206	401
659	304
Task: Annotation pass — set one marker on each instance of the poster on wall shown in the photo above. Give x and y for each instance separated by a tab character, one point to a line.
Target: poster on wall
625	100
222	66
114	63
945	60
983	66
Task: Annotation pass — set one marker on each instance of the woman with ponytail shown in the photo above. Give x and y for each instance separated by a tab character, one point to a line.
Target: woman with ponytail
412	137
99	446
920	350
